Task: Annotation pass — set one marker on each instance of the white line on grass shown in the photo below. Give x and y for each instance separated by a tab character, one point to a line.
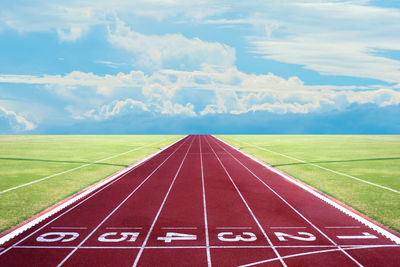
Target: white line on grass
343	209
76	168
102	185
321	167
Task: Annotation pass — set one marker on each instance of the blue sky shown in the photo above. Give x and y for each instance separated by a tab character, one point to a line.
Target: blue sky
153	67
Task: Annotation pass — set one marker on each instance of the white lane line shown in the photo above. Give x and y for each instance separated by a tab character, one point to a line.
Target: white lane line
317	252
290	256
79	167
116	208
234	228
159	210
124	228
55	227
248	208
294	209
321	167
287	227
204	247
343	209
340	227
108	182
205	208
179	228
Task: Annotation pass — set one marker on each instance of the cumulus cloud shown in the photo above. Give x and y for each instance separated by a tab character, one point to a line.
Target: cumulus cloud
169	108
17	122
160	51
300	101
115	108
135	108
228	91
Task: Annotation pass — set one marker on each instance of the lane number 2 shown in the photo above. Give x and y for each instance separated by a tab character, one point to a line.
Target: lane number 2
303	236
230	237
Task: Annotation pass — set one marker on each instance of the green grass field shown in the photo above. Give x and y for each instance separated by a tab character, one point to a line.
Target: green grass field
372	158
24	159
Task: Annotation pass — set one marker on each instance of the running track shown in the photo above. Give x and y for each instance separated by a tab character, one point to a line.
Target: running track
201	202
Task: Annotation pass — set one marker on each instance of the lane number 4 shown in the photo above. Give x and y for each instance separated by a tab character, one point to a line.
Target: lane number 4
170	236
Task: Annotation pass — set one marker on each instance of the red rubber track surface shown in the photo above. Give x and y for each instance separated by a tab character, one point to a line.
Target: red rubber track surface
200	203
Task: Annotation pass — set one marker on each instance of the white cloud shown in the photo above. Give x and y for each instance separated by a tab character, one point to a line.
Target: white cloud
135	108
72	33
160	51
72	19
169	108
17	122
332	37
115	108
300	101
228	90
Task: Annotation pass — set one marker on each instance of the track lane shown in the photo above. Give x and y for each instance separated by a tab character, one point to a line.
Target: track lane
87	213
336	226
210	190
136	211
176	219
233	230
290	223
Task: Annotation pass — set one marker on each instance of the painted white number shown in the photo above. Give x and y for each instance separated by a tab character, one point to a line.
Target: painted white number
107	237
364	236
230	237
307	236
169	237
57	236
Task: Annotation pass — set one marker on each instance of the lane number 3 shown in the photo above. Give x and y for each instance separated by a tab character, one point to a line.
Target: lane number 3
230	237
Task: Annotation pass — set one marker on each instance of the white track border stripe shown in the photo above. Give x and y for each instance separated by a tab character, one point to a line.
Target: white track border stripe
159	210
317	194
295	210
321	167
205	208
79	196
116	208
250	211
79	167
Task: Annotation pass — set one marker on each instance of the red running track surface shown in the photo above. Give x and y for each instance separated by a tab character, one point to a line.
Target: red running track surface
200	202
